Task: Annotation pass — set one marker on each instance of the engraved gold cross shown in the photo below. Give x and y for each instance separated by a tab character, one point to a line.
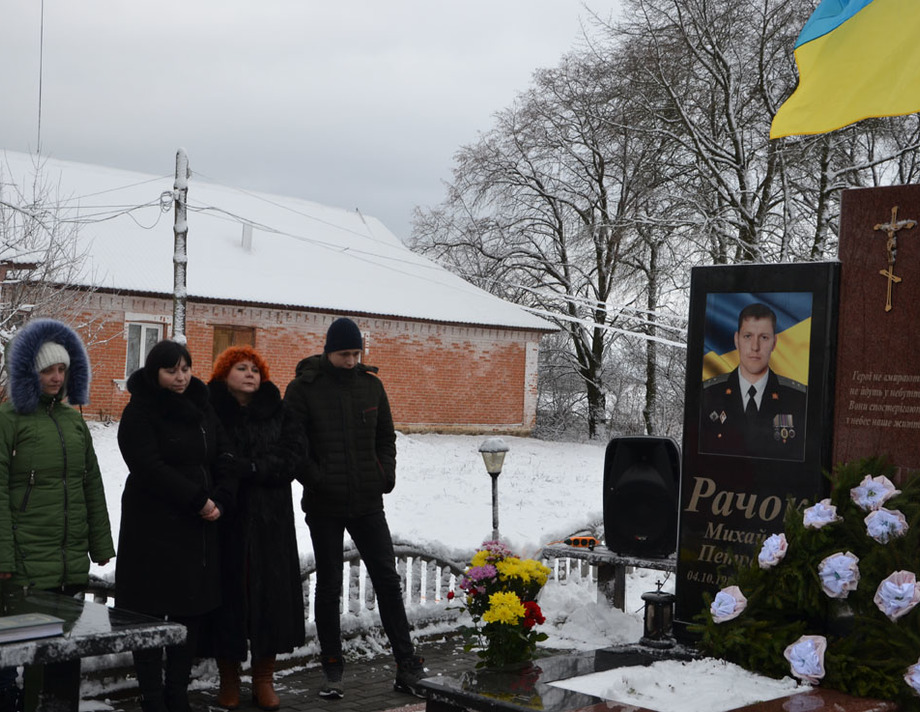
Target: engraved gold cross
891	229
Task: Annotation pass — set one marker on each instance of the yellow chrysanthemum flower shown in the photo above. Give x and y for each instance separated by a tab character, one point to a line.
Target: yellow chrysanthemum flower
511	567
537	571
504	607
480	558
526	570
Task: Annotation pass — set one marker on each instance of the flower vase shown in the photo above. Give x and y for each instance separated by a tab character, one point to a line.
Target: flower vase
515	683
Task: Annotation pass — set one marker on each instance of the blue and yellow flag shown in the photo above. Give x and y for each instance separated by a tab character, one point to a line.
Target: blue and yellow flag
856	59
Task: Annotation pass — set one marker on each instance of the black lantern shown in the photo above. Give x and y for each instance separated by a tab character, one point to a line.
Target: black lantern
659	616
493	455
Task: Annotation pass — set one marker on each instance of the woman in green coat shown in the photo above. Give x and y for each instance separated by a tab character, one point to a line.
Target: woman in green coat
53	516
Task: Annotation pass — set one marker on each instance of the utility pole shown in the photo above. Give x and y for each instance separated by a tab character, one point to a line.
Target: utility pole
180	253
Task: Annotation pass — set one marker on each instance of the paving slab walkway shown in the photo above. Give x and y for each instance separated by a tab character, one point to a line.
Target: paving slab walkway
368	684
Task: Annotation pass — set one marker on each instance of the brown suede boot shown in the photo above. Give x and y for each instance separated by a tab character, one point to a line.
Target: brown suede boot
263	693
229	693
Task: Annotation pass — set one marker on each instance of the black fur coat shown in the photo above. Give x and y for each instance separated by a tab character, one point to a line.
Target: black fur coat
260	565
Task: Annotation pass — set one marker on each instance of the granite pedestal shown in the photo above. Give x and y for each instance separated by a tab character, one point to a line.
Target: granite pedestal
528	688
89	629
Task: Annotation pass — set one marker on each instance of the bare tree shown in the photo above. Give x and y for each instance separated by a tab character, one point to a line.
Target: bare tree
540	210
709	72
41	256
637	157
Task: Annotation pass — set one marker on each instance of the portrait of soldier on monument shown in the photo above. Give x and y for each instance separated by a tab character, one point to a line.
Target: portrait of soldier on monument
757	409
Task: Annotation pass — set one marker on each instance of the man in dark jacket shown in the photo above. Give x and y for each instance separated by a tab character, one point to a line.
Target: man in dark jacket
352	463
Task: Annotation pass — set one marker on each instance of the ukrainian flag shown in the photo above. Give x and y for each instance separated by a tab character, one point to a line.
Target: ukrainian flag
856	59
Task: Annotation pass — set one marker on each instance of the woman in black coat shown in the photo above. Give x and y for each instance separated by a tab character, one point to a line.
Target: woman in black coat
181	479
260	566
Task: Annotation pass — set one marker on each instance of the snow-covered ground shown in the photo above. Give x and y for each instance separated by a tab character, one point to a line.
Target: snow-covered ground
443	496
547	492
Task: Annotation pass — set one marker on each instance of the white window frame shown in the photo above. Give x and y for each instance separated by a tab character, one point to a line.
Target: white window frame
147	333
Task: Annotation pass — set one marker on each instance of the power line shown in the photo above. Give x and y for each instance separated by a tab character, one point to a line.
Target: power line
104	213
41	63
559	316
605	327
288	208
74	198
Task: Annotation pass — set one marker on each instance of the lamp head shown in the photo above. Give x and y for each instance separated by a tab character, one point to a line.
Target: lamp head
493	454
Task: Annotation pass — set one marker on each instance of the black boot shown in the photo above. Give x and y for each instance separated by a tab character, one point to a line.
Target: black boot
178	675
148	666
11	699
157	704
177	701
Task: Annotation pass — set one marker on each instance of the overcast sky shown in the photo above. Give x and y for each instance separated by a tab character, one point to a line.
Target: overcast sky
352	103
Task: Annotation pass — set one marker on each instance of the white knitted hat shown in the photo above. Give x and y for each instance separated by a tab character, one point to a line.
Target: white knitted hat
49	354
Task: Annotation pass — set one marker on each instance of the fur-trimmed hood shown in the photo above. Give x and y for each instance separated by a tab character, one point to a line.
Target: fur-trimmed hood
24	385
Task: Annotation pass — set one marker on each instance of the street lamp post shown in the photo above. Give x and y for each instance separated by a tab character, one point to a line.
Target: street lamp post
493	454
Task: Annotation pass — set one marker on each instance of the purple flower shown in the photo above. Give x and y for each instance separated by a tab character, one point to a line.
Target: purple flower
496	550
820	514
482	573
772	551
898	594
873	492
806	658
885	524
839	574
472	578
728	604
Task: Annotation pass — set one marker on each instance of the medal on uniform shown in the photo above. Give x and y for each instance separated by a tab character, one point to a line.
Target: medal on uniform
783	427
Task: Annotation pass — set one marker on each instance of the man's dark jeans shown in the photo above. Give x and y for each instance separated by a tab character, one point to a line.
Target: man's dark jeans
371	536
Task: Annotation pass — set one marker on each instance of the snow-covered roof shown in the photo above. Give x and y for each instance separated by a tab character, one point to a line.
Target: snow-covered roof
302	254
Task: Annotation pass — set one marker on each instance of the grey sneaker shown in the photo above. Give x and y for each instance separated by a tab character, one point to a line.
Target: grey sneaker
332	688
409	672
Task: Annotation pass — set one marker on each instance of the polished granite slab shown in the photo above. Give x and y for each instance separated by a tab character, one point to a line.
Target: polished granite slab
90	628
816	700
528	688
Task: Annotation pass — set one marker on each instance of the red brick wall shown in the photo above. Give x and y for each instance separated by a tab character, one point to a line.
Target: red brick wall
438	376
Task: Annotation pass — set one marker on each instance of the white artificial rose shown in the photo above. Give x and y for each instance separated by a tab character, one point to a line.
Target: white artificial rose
884	524
898	594
820	514
873	492
912	677
772	551
839	574
728	604
806	658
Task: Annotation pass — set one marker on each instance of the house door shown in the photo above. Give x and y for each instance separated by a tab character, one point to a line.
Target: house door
227	336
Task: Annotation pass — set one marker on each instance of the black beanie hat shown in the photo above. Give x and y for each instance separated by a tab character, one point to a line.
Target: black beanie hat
343	335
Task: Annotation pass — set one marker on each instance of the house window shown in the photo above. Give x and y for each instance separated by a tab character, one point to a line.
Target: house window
141	338
227	336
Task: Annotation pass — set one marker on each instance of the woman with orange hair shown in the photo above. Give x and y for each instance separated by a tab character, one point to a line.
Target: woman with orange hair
260	566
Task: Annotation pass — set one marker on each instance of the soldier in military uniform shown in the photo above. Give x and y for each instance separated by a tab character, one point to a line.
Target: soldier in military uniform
752	411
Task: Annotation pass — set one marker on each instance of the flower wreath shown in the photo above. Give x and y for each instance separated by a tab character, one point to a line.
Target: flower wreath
833	599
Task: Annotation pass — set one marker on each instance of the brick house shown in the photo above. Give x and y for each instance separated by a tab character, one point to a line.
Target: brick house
275	272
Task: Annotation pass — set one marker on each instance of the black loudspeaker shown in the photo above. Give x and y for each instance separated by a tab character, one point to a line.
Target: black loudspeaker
641	496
